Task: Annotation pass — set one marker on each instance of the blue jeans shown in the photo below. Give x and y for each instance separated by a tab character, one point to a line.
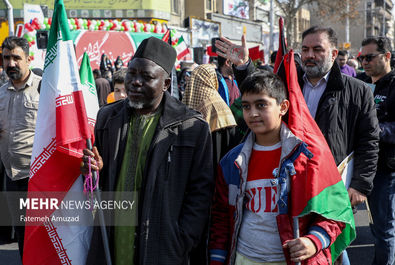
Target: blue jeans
346	260
382	206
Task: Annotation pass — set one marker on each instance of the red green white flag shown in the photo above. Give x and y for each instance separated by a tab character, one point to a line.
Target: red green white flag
178	43
317	186
65	120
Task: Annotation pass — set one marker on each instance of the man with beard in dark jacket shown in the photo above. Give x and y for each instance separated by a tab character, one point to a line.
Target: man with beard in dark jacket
342	106
376	58
153	145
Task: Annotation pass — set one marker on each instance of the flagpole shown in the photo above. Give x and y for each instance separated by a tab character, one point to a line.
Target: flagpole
101	215
296	231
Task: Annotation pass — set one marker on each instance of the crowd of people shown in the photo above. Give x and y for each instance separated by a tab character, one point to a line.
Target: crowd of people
199	160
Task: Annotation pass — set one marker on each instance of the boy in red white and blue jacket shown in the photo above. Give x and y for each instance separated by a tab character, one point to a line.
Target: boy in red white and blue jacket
252	189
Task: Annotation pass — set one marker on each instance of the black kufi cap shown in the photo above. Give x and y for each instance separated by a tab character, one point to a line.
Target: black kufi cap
157	51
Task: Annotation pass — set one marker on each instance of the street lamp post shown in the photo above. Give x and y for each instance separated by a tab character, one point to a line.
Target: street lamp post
271	26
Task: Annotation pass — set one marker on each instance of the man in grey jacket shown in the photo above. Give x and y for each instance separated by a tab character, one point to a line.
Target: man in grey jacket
152	144
18	112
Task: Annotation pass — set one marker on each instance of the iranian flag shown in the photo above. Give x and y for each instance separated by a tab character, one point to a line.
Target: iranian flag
179	44
65	121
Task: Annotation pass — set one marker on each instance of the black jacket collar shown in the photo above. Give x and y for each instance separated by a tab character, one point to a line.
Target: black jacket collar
387	78
334	80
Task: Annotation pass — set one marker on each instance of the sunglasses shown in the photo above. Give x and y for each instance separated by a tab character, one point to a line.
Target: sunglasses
368	57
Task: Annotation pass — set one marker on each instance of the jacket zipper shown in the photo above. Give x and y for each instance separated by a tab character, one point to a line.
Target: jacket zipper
168	162
237	217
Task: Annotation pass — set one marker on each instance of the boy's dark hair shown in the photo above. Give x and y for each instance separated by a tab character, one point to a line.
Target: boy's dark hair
119	76
267	82
329	31
12	42
383	43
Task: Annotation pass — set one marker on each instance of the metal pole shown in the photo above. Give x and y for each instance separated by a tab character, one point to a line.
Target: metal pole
10	15
101	215
347	22
296	231
271	25
384	11
364	21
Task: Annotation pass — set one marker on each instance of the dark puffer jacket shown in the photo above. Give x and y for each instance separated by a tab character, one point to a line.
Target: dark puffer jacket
347	117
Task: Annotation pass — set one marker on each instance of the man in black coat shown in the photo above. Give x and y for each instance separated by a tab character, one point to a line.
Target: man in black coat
376	59
152	144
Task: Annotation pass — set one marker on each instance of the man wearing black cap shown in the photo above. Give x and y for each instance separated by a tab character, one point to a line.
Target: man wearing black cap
154	145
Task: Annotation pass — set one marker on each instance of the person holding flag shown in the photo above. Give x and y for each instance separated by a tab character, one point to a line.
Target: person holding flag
341	106
153	145
254	227
65	120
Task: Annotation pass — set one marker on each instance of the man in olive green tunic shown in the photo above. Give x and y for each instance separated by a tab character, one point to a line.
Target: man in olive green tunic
152	144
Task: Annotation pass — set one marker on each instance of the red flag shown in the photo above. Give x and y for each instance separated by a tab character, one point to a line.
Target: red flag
317	179
262	55
282	46
210	52
166	36
254	53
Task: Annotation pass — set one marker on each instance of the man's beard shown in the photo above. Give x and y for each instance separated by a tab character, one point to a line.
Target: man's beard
15	75
318	70
136	105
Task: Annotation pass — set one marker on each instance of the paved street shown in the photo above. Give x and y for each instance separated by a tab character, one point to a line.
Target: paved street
360	252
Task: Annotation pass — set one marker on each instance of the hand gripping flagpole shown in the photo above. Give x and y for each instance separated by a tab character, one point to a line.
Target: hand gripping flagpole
296	231
100	212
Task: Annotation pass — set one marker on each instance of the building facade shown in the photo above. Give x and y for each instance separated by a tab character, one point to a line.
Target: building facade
373	18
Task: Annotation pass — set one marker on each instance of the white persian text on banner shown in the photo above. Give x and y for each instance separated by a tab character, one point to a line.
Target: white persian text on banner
43	157
64	100
57	243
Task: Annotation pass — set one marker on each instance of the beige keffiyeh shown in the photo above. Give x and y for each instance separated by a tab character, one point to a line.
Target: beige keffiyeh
201	94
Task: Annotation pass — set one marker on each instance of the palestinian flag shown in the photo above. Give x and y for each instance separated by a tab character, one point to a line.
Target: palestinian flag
62	129
317	186
282	46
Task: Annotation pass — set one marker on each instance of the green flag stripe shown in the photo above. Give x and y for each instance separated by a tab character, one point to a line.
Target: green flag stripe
59	31
86	74
338	209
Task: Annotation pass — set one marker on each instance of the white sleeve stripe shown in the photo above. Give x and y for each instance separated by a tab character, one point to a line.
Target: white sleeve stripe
217	256
321	238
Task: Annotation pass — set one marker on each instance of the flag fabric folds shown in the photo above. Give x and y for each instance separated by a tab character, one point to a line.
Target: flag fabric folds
321	190
317	186
254	53
178	43
282	46
65	120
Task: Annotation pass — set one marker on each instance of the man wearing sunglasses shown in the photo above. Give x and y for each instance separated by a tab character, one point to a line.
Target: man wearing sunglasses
376	58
